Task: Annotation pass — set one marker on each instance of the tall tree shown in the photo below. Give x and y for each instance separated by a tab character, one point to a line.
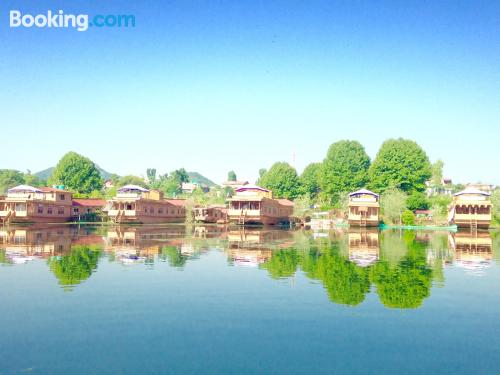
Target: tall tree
131	180
437	172
151	174
344	169
283	180
310	179
231	176
76	173
181	175
401	164
393	204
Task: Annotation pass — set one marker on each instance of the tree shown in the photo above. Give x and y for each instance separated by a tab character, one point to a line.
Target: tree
393	203
282	264
262	172
231	176
180	175
131	180
76	173
151	174
10	178
417	201
495	201
344	169
283	180
310	179
401	164
437	173
408	217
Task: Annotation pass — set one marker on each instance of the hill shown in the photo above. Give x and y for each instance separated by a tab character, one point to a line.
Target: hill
45	174
202	180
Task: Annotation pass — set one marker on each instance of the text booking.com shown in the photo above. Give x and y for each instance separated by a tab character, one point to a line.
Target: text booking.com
80	22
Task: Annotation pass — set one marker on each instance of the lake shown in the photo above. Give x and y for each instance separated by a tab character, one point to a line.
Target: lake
217	300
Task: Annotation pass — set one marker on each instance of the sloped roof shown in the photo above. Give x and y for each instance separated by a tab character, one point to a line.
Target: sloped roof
285	202
251	187
89	202
55	190
177	202
132	188
25	188
473	191
363	191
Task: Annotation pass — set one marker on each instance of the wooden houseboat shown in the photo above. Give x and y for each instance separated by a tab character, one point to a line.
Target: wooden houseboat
135	204
87	209
28	204
470	208
253	205
364	207
210	214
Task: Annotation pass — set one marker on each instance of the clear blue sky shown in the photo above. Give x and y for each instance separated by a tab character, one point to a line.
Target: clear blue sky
218	85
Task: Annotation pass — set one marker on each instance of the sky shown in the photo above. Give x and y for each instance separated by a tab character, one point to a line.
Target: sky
214	86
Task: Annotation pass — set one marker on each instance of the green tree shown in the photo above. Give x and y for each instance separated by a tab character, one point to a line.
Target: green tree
282	264
10	178
401	164
437	173
344	169
283	180
417	201
77	173
181	175
151	174
495	201
76	266
174	257
231	176
393	203
310	179
131	180
408	217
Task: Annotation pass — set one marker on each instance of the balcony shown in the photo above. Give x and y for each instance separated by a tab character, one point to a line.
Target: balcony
247	213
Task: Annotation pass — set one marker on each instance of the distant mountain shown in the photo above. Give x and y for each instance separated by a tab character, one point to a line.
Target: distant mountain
202	180
45	174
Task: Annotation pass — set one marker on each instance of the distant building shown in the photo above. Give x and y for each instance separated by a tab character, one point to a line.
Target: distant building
487	188
85	208
445	188
189	187
108	184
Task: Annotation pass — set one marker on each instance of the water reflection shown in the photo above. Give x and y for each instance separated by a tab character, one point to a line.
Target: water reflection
401	267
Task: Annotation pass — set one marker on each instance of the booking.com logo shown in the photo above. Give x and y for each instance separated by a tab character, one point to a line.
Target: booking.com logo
59	19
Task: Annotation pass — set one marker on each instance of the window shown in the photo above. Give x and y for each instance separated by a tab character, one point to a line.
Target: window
60	211
76	210
62	197
40	209
49	210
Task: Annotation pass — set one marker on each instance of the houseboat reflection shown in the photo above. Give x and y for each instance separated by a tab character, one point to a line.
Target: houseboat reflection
473	250
364	247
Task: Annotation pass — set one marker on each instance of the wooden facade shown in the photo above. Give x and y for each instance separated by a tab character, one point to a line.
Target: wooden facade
134	204
210	214
27	204
470	208
364	208
253	205
364	246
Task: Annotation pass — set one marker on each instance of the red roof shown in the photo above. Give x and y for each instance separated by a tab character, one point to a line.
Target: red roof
89	202
177	202
285	202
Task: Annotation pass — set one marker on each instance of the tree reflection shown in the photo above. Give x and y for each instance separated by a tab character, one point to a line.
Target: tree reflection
407	283
174	257
345	282
283	263
76	266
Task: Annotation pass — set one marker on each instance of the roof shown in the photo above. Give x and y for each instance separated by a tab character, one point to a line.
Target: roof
252	187
50	190
285	202
423	212
177	202
364	191
132	188
472	191
89	202
24	188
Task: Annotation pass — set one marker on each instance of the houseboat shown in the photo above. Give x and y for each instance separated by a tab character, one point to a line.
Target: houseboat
135	204
87	209
470	208
210	214
253	205
364	207
28	204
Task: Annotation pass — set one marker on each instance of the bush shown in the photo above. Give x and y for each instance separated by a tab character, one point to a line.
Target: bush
408	218
417	201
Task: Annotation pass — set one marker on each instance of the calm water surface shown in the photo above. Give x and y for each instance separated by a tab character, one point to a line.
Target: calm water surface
212	300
